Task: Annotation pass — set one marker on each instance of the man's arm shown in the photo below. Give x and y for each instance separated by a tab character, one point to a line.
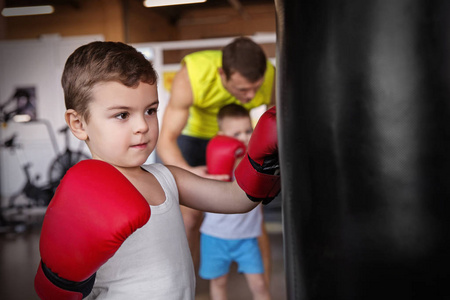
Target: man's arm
174	120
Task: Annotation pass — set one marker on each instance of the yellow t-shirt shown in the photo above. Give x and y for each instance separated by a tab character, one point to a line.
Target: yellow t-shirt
209	94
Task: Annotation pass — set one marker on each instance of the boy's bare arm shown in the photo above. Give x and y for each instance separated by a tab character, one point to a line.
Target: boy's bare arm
210	195
257	175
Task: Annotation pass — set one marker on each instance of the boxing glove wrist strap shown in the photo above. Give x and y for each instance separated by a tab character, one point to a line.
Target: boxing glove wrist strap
83	287
258	186
270	165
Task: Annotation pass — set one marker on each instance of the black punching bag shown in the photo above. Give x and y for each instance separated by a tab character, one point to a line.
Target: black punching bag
364	135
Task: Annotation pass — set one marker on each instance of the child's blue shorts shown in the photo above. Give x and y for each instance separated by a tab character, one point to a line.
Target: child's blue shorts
217	255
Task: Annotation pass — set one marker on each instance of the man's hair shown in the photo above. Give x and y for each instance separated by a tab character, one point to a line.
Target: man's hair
245	57
98	62
232	111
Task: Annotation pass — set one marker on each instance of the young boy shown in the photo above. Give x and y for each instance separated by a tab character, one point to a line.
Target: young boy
231	237
98	239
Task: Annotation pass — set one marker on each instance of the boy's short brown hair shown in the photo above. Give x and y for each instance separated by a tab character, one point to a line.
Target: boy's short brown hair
246	57
102	62
232	111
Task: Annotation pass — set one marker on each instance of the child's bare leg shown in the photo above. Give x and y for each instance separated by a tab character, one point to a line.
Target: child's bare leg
192	221
264	247
258	286
218	288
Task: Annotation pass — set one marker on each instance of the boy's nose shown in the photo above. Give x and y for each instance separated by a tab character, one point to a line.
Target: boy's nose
141	125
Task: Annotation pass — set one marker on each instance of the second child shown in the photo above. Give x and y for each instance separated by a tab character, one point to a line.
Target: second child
227	238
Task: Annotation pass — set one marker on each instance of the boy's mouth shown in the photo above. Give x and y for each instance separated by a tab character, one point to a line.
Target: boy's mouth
139	146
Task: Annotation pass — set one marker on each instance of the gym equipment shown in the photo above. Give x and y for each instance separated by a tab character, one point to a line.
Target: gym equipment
363	111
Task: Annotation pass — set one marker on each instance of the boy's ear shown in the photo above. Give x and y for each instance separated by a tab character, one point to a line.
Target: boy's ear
75	123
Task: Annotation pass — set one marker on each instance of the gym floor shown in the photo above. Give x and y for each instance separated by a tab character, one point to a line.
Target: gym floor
19	257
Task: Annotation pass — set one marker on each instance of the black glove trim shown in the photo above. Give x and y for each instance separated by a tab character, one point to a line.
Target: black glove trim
83	287
271	165
264	201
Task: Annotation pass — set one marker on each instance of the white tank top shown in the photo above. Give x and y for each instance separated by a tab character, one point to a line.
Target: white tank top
155	261
233	226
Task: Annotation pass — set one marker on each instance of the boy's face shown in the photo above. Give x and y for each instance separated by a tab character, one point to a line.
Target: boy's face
123	125
238	127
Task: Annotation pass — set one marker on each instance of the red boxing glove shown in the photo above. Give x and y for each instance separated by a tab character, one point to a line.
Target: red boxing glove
221	154
94	210
258	173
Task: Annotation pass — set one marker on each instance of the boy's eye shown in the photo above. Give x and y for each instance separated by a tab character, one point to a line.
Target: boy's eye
151	111
122	116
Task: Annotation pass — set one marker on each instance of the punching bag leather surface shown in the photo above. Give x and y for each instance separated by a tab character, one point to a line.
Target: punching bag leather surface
364	130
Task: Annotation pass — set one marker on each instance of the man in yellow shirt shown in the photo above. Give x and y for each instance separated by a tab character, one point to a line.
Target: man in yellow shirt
208	80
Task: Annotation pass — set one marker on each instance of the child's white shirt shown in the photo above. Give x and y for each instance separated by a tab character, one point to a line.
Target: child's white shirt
233	226
155	261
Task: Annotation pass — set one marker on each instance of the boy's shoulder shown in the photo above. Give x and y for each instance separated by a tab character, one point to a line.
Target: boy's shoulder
154	183
153	166
158	170
162	172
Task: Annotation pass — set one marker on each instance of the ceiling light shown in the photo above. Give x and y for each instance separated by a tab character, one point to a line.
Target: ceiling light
154	3
21	118
27	10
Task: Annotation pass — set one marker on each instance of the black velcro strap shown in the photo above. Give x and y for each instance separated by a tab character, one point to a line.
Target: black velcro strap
270	165
83	287
265	201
